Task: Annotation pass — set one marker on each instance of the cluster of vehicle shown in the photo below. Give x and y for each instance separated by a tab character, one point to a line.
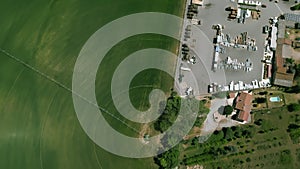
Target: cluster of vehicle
192	11
186	55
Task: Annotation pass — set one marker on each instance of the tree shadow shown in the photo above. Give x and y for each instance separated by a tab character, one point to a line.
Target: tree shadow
221	110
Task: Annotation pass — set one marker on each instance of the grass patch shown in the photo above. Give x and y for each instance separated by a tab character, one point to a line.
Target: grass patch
295	7
269	145
38	126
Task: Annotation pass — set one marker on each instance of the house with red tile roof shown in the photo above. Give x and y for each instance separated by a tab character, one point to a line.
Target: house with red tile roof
243	104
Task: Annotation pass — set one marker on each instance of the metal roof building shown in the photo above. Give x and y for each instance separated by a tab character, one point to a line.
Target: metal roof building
292	17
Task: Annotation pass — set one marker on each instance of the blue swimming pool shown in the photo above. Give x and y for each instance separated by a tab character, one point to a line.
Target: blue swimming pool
275	99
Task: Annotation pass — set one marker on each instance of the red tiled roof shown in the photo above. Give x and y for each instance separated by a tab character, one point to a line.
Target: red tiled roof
269	71
243	100
279	59
244	115
244	104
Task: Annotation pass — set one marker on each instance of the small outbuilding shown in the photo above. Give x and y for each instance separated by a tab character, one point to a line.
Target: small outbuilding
197	2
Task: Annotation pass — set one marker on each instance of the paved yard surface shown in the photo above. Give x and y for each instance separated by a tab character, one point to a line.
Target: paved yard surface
201	45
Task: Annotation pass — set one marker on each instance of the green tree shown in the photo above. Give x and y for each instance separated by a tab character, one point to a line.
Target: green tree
169	114
293	107
249	131
260	100
290	60
229	134
168	159
228	110
217	136
294	131
295	7
285	157
195	141
238	132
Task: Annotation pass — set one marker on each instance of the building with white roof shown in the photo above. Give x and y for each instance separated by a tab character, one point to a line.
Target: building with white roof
273	44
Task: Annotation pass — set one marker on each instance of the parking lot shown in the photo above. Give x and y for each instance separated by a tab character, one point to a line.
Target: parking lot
201	44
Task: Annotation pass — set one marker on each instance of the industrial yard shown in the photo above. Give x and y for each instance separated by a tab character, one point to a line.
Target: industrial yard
227	50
